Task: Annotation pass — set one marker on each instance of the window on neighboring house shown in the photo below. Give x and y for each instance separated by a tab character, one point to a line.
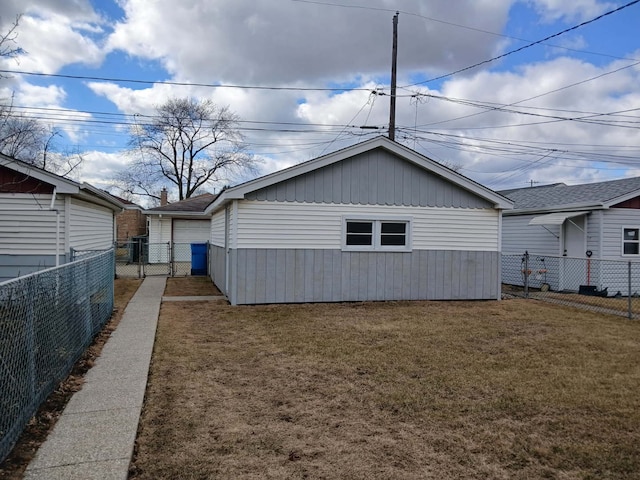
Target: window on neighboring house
367	234
631	241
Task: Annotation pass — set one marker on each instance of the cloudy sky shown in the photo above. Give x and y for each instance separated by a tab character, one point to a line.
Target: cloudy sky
477	88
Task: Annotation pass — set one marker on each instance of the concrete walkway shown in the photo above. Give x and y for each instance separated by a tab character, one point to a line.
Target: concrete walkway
94	437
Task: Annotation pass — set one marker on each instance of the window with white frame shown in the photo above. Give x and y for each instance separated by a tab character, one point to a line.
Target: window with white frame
630	241
380	234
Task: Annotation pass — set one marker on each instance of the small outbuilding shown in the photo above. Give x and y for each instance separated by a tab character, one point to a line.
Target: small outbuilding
44	217
173	227
374	221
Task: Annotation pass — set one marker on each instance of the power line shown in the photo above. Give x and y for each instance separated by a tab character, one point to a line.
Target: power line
186	84
531	44
453	24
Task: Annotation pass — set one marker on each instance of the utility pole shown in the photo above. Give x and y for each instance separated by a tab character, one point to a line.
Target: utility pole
394	61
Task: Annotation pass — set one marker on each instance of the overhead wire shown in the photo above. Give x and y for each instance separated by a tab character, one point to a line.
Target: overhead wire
524	47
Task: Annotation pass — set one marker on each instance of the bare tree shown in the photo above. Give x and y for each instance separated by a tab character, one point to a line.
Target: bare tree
188	145
9	47
21	137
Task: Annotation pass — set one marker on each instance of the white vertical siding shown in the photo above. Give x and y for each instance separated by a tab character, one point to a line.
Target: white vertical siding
614	220
159	233
319	226
217	229
91	226
159	230
28	227
518	236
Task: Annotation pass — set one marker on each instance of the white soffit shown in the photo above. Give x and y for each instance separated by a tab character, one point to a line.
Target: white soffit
556	218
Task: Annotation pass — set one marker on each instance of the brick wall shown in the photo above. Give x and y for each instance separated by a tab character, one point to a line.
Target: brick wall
131	223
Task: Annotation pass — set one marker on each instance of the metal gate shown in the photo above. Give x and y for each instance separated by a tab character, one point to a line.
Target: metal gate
137	258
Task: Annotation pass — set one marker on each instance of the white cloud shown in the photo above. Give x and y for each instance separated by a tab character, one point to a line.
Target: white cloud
574	10
266	42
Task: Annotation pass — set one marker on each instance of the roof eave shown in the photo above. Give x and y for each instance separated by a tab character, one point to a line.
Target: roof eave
61	184
557	208
238	192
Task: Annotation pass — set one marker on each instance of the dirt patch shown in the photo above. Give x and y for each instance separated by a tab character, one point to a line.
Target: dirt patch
190	286
13	467
411	390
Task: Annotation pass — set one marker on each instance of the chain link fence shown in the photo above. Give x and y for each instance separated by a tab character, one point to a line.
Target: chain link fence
608	286
137	258
47	320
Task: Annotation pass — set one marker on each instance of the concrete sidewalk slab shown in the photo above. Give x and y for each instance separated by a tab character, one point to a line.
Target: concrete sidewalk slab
95	435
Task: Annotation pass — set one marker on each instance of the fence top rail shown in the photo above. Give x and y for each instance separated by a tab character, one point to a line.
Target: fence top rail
22	278
534	256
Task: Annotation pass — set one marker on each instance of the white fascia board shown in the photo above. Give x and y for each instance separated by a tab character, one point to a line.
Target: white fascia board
61	184
621	198
177	214
574	207
238	192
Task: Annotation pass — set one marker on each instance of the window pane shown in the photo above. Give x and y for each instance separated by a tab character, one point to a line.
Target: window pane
394	227
630	234
358	239
398	240
360	227
631	248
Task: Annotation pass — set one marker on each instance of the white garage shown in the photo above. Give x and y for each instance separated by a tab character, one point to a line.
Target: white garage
186	232
178	225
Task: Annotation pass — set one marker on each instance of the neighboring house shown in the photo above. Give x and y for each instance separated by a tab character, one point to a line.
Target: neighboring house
131	222
44	216
178	224
375	221
568	221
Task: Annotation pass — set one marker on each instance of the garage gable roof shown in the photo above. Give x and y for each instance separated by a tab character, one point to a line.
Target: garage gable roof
559	196
83	191
189	206
240	191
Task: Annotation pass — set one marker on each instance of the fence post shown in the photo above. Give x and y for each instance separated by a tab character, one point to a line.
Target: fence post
526	274
172	264
630	313
31	298
139	248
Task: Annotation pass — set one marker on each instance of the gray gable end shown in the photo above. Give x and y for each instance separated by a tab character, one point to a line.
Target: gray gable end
375	177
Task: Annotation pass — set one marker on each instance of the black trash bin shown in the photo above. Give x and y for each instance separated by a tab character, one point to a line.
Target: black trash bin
198	259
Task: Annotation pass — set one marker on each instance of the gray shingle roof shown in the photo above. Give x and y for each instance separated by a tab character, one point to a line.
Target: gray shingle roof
193	204
559	195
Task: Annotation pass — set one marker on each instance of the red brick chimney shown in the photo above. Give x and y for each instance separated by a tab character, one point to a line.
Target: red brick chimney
163	197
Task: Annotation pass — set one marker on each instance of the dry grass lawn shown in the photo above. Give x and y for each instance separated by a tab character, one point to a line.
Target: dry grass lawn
411	390
190	286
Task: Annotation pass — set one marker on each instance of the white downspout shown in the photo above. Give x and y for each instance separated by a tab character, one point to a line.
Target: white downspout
53	201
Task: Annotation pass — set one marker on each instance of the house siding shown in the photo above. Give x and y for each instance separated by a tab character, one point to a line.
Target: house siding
27	226
217	267
319	226
518	236
91	226
376	177
615	220
320	275
12	266
217	229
